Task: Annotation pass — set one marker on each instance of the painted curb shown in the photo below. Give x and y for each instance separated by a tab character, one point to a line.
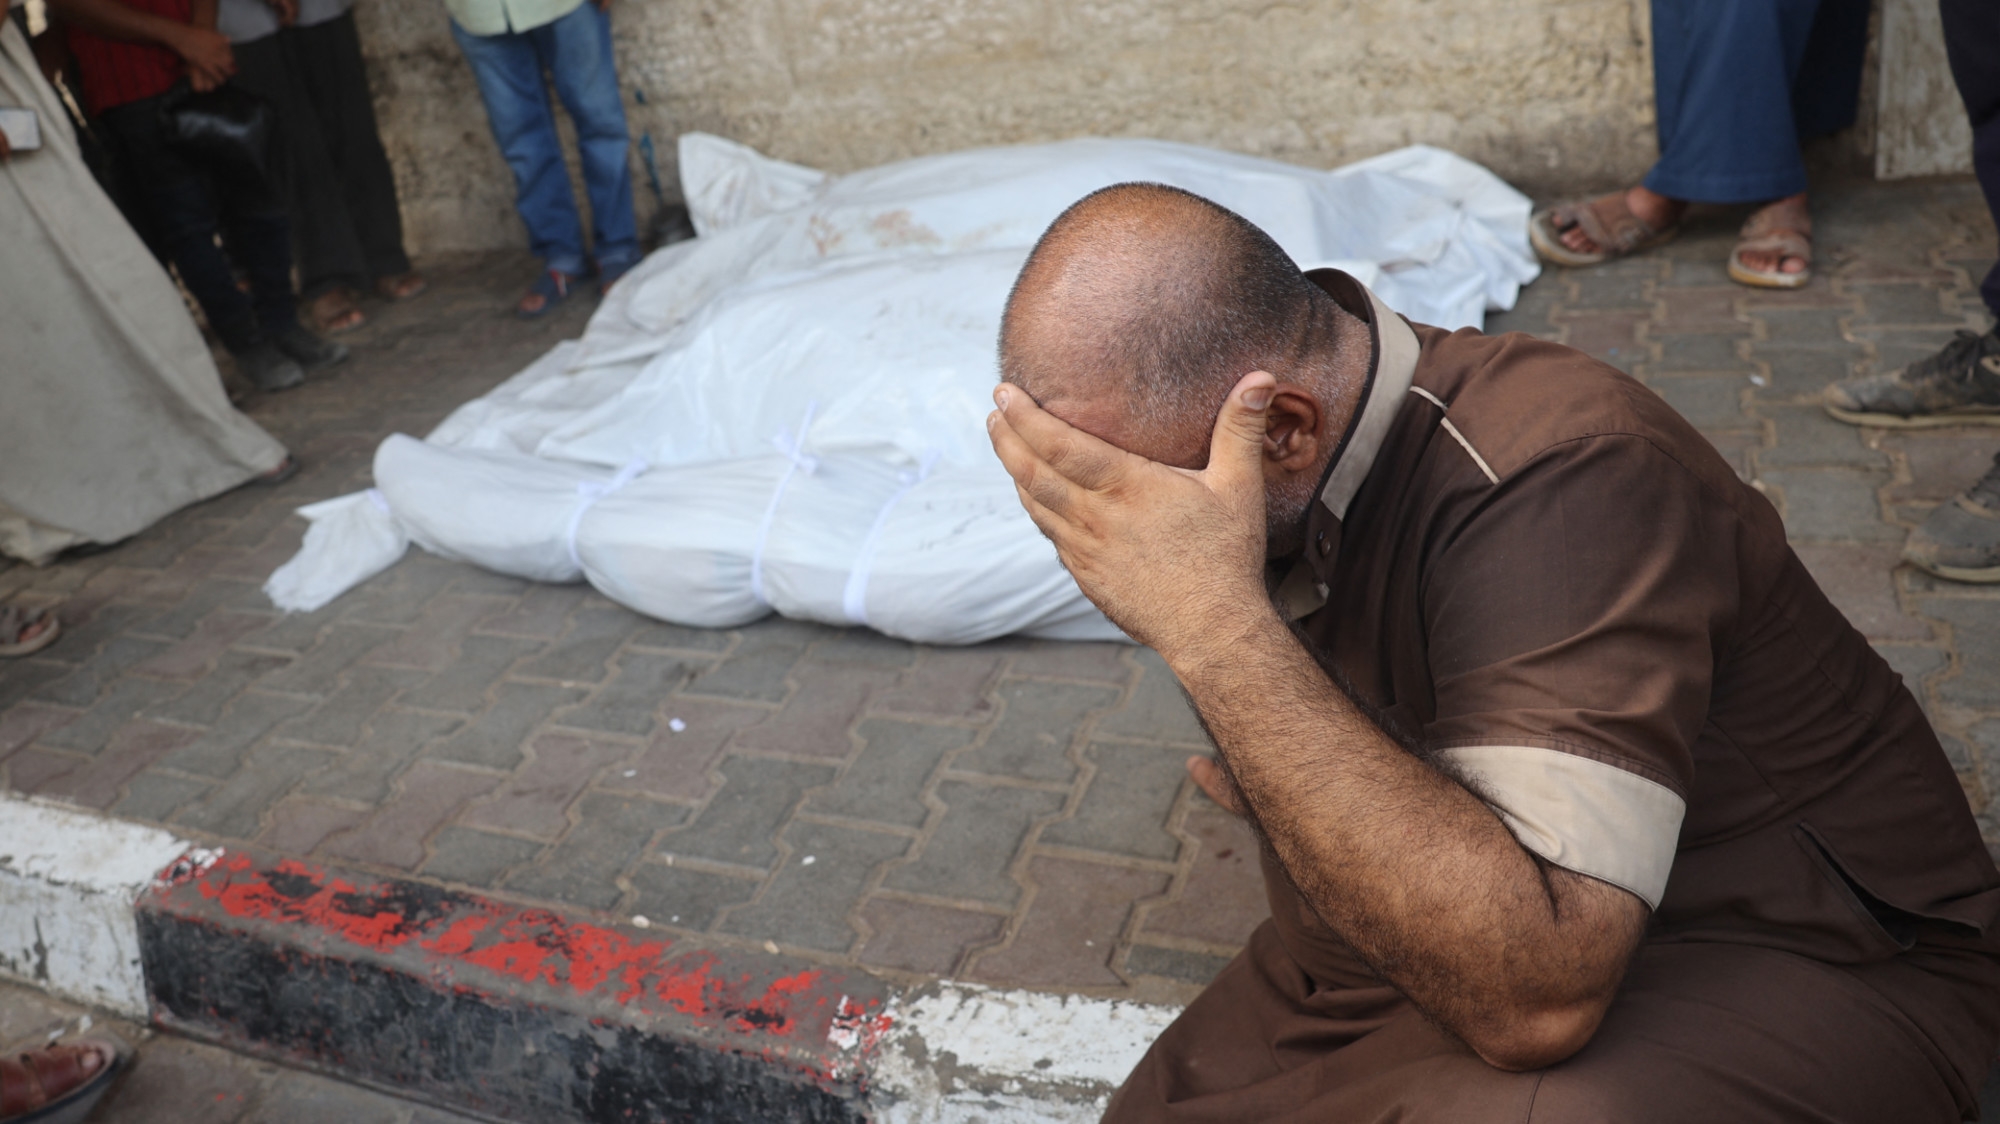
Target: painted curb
524	1014
68	882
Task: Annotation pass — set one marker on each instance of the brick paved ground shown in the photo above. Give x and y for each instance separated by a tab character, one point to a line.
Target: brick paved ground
1014	813
177	1081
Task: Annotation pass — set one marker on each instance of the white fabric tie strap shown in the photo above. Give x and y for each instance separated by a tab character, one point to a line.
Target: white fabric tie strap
590	491
854	598
380	501
793	448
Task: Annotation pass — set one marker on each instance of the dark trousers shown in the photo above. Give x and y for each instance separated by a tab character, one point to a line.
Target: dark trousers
347	228
1737	84
187	206
1972	42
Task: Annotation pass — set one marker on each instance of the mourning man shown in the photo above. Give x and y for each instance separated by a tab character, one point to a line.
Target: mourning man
1580	800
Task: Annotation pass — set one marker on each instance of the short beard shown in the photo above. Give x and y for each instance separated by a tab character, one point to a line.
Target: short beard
1285	508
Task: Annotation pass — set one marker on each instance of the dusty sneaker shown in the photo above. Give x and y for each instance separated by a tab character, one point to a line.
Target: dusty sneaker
1960	539
1960	385
311	351
272	370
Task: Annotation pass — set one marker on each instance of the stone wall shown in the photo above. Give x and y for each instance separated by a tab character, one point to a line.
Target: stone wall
1553	94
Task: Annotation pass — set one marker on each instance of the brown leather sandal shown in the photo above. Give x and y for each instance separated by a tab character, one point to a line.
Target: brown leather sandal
335	311
1605	220
1784	227
52	1085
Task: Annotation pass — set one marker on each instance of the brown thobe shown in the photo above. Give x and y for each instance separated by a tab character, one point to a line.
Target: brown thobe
1549	584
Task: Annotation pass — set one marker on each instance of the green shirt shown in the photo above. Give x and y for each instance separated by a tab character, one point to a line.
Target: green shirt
491	17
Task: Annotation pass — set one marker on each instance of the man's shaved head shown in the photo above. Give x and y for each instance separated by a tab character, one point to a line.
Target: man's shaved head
1142	305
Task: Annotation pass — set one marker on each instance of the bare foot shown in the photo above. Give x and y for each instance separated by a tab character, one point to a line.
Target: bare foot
335	311
1767	261
1652	208
401	286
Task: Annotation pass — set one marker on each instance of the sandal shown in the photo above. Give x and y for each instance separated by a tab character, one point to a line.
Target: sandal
270	477
401	286
14	625
52	1086
549	290
1606	221
335	311
1784	227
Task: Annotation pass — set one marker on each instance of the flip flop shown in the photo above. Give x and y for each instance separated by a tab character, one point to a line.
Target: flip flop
13	622
1605	220
1784	227
25	1080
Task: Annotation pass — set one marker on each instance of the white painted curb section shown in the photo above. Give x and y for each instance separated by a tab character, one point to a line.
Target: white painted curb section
68	881
958	1054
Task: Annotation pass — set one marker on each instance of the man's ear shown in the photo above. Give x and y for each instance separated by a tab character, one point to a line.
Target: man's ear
1292	430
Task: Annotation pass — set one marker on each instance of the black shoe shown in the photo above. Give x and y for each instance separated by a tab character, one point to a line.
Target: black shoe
1960	539
1960	385
311	351
271	369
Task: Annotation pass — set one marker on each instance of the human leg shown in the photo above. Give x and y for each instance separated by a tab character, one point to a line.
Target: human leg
1723	72
323	239
330	65
1972	44
508	71
577	49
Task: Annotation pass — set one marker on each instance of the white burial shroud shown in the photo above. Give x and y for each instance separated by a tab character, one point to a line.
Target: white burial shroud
787	413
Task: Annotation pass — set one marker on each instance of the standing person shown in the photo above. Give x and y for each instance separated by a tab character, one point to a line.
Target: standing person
508	44
112	413
132	54
304	57
1737	85
1960	385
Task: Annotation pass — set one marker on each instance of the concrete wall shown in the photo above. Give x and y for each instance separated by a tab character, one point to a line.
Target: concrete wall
1551	93
1921	128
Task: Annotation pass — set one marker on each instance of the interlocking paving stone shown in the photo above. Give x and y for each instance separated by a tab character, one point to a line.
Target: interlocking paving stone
676	763
464	685
97	782
480	858
1055	659
973	847
683	896
863	646
431	642
757	667
495	737
1707	402
1975	627
297	826
1157	711
924	939
1808	435
1072	927
117	706
1224	897
339	647
534	801
740	825
946	683
155	795
627	703
680	638
611	833
1032	739
806	904
1901	303
1125	808
394	736
24	722
1173	963
542	614
426	796
341	717
815	720
203	703
235	807
1709	353
885	782
1861	579
581	654
1832	504
213	636
219	752
89	681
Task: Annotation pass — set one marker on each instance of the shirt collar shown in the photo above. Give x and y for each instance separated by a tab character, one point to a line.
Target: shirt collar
1392	366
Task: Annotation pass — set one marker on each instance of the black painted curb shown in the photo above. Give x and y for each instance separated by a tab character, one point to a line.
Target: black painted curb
487	1007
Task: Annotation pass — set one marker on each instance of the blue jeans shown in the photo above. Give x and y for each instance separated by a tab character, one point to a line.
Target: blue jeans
1737	84
576	49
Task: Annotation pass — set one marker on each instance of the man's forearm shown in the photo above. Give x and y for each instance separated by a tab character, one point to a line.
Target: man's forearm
1420	878
114	20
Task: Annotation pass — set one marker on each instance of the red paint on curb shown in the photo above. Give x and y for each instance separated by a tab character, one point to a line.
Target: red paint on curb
447	930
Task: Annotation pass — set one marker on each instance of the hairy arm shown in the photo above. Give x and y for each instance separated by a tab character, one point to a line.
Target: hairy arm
1519	959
